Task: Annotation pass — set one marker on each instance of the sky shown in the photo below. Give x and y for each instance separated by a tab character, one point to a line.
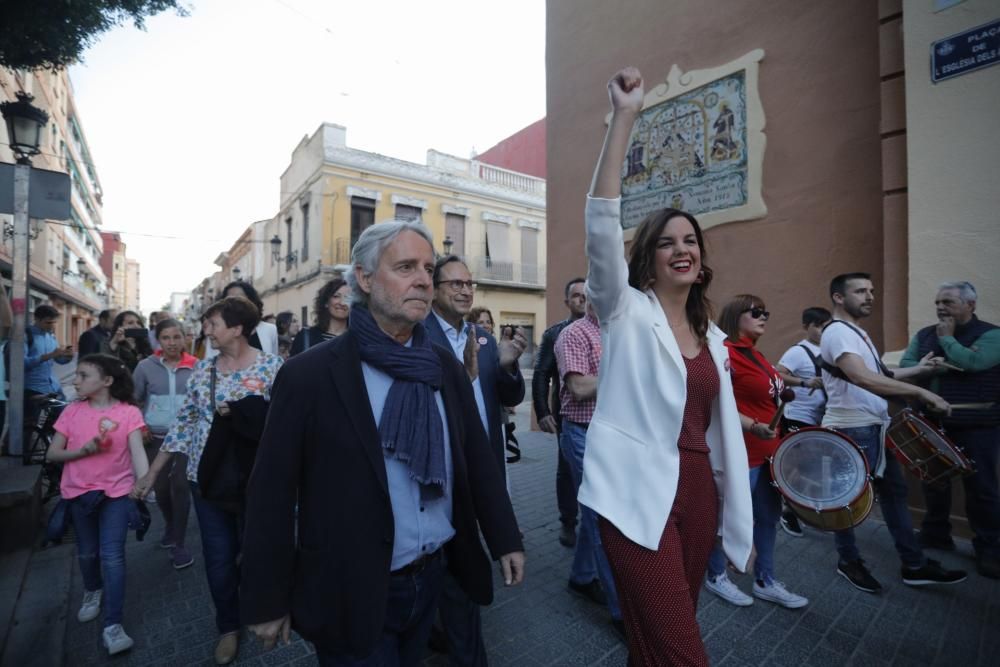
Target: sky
191	122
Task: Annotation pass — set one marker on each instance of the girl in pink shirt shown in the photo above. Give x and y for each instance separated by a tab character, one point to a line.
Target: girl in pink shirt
99	440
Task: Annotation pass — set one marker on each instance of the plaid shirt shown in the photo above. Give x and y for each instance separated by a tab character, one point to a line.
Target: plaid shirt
578	350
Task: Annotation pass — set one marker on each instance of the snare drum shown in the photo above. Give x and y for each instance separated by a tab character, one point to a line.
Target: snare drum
924	450
824	478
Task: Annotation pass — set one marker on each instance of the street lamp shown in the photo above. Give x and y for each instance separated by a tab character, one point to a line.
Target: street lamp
275	247
236	274
24	130
24	126
447	243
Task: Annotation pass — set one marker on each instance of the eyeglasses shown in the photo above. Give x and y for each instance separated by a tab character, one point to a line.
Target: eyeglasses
459	285
758	313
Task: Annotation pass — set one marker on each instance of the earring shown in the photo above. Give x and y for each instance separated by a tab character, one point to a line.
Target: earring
701	278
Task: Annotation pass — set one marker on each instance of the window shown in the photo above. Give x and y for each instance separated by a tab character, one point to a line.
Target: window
362	216
304	320
529	255
288	242
498	261
454	228
305	231
405	212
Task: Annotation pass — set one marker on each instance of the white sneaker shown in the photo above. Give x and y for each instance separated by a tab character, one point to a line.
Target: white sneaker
776	592
728	591
115	639
90	607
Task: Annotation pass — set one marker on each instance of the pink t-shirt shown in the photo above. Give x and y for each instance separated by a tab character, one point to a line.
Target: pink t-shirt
110	469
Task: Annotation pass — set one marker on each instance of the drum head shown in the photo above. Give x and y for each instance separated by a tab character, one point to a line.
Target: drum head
819	469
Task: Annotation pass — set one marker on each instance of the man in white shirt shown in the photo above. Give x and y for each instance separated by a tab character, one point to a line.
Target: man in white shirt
800	369
496	381
857	383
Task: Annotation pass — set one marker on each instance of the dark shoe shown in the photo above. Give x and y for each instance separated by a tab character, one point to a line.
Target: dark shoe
619	626
790	524
591	591
438	640
988	565
567	535
932	542
859	576
931	572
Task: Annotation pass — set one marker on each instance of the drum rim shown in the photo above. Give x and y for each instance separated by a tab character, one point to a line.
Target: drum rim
951	450
808	504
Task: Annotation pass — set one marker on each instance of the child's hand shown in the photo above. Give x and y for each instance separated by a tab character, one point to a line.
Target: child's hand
89	447
141	488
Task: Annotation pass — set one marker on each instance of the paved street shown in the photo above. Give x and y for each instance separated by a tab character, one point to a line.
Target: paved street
169	614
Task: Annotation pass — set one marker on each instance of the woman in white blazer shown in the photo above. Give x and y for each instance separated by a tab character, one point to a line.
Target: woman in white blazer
665	466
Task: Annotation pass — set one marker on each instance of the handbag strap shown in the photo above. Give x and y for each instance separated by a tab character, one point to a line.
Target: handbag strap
748	353
211	384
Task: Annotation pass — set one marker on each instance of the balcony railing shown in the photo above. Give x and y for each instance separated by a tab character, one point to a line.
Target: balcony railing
485	269
507	179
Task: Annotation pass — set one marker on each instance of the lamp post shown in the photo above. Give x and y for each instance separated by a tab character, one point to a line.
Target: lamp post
236	274
447	243
24	129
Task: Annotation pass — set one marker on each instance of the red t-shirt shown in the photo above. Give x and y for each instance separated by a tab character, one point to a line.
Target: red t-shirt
756	390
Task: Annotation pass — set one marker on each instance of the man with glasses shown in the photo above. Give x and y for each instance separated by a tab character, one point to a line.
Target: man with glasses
972	348
496	382
857	383
547	375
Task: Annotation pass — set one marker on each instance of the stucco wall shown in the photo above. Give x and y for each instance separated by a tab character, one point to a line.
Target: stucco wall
819	85
953	143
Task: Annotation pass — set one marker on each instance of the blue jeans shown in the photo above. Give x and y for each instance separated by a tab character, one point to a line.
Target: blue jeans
766	512
891	493
463	625
409	614
221	534
589	560
100	548
982	497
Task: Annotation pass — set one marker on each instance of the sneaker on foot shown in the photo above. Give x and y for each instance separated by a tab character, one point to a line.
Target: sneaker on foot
181	558
775	591
91	606
931	572
166	542
591	591
790	524
929	541
115	639
567	536
227	648
859	576
728	591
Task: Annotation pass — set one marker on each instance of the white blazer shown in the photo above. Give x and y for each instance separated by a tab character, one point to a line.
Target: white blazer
266	332
631	462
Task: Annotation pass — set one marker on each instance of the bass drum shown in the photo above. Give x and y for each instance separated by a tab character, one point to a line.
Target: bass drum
824	478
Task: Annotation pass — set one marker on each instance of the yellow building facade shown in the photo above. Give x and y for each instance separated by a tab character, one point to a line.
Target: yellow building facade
493	218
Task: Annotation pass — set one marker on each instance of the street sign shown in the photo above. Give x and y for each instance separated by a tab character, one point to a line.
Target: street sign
966	52
48	194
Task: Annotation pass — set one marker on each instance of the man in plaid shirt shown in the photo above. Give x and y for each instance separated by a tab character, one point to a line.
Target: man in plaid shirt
578	355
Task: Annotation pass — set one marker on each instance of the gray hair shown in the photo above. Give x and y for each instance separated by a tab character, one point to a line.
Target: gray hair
372	243
966	291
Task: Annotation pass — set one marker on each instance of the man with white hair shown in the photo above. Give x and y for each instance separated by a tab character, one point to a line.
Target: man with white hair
373	464
972	347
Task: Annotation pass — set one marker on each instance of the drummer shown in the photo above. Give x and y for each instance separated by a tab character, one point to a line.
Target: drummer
757	387
972	347
857	384
800	369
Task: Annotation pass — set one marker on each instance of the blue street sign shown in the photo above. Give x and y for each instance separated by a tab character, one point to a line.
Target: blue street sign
966	52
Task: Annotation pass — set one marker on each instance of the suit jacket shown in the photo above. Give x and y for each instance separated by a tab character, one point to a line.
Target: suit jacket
500	388
632	465
546	374
92	341
321	451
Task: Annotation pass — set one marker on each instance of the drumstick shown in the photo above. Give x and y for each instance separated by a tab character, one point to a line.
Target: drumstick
972	406
786	397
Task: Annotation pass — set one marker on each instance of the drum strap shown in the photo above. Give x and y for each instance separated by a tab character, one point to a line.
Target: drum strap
818	366
835	371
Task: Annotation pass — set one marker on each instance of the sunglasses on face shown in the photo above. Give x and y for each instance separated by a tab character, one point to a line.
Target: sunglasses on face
758	313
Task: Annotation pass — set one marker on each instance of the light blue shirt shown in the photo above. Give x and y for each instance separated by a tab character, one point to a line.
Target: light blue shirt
458	340
38	373
422	525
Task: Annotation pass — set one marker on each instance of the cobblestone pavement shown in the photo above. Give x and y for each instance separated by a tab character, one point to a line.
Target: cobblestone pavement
170	615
